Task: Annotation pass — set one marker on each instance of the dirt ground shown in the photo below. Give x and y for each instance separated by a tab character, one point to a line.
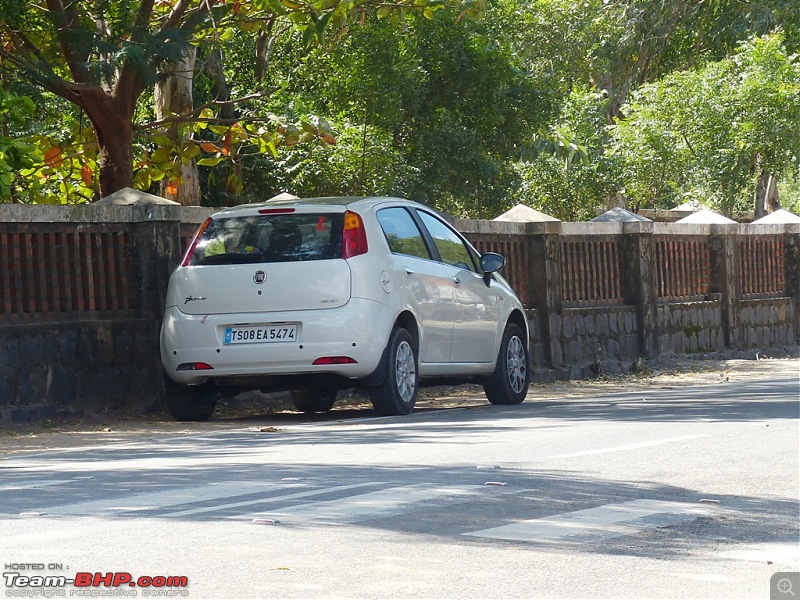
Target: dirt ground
270	413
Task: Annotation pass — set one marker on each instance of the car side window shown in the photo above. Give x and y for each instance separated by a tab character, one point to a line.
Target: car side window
450	246
402	233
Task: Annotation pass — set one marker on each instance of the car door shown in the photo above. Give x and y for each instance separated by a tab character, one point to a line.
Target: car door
476	305
423	280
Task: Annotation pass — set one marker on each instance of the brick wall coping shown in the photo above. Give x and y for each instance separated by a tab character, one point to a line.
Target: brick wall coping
139	212
94	213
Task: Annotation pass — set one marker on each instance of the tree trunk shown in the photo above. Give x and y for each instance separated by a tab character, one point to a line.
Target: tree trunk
114	133
173	95
219	85
767	200
222	93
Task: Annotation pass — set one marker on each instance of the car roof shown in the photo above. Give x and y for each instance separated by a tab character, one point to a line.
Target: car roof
345	202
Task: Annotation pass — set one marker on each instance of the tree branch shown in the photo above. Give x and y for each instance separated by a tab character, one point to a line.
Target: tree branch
24	45
176	15
49	81
143	17
192	116
64	22
689	144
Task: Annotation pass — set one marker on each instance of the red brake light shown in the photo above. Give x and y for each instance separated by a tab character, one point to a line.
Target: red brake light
354	236
335	360
195	366
188	256
275	211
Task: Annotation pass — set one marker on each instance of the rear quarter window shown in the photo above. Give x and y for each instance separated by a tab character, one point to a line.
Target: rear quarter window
402	234
452	249
292	237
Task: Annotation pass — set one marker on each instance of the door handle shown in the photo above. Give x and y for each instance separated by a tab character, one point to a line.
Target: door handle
409	271
455	279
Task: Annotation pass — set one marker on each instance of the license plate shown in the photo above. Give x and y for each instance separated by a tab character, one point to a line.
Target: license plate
261	334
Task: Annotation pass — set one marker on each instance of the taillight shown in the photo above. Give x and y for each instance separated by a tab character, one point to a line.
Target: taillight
195	366
198	234
354	236
335	360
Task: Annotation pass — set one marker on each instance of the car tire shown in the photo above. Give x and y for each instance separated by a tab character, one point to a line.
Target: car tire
190	403
313	400
511	378
397	395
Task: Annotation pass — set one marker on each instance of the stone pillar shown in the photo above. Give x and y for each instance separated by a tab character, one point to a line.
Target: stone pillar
725	279
544	281
156	244
639	282
792	269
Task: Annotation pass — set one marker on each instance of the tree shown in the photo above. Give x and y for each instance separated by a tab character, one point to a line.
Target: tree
567	173
614	47
101	56
436	113
720	133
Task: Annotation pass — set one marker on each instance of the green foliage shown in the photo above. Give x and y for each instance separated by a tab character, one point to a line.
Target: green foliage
789	190
569	174
709	133
16	153
103	55
438	112
468	106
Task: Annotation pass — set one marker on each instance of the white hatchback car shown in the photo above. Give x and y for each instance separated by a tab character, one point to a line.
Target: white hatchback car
324	294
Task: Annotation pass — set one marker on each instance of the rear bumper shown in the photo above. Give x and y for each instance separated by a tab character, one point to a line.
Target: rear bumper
358	330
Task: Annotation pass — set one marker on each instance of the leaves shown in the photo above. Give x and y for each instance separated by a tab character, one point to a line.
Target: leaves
87	175
708	133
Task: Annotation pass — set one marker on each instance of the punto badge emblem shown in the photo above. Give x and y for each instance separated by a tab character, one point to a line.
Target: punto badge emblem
259	277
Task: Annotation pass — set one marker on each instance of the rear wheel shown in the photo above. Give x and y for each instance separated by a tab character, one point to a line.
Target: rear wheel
190	403
511	378
397	395
313	400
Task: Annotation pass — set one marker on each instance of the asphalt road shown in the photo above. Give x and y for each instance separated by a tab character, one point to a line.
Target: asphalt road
689	492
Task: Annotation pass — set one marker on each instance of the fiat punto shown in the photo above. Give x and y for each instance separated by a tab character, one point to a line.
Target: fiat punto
320	295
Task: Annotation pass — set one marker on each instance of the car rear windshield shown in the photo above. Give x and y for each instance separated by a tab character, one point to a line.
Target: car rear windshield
270	238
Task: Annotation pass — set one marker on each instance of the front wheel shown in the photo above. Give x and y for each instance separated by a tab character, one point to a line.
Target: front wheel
190	403
511	378
397	395
313	400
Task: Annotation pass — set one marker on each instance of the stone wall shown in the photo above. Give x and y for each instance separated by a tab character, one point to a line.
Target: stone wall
598	340
70	366
81	298
690	327
606	294
768	323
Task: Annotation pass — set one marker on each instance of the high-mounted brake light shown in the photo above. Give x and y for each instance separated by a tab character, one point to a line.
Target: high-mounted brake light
275	211
354	236
198	234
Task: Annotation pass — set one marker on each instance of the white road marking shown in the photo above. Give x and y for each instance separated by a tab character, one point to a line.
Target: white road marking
671	440
374	504
306	494
610	520
154	500
788	554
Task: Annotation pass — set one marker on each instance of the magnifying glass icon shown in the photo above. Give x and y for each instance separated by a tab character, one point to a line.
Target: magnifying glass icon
785	586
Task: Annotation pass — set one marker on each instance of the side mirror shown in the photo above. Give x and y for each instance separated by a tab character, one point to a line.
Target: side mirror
491	262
